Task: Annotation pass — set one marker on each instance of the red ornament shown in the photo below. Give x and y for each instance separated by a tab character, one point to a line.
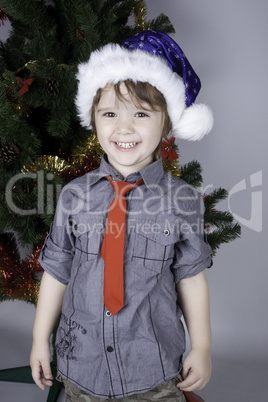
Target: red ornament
3	16
24	85
168	149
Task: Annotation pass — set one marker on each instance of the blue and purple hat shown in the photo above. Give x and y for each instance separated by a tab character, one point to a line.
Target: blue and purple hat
150	56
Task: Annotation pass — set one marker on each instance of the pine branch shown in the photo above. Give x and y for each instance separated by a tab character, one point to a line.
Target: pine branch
220	223
87	20
212	216
215	196
12	51
217	217
3	64
229	233
192	173
23	16
162	23
118	10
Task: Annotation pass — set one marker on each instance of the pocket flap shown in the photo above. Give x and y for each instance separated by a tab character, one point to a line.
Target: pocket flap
85	223
163	232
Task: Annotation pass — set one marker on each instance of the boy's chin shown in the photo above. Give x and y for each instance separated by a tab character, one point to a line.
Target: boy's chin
127	165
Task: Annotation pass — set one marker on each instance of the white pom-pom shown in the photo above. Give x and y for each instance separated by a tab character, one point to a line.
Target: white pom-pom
195	122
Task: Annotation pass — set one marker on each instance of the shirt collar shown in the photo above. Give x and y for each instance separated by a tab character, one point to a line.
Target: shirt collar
151	174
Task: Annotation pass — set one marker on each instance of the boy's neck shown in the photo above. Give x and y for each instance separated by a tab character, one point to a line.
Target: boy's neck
125	171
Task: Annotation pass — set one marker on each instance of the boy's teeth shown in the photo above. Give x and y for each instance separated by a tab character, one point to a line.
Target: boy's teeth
126	144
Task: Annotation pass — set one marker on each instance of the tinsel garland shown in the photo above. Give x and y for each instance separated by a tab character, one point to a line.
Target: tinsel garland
17	105
83	159
140	15
171	167
47	162
3	16
18	278
86	157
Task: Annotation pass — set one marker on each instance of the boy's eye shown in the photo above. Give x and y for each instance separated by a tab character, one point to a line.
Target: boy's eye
141	114
109	114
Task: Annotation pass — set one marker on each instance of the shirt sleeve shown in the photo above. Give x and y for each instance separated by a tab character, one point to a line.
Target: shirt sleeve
192	252
56	256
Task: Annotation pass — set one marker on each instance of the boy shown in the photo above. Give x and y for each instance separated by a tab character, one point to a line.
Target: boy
126	252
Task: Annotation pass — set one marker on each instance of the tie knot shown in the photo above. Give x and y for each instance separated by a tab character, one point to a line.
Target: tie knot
121	187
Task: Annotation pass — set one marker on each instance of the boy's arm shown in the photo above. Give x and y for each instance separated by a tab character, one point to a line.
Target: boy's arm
194	300
48	309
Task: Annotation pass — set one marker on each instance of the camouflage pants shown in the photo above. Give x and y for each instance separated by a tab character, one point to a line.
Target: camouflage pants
166	392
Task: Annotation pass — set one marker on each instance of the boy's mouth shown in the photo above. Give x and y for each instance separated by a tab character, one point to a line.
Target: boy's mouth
126	144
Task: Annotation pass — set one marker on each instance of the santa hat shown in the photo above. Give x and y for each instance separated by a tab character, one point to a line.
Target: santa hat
150	56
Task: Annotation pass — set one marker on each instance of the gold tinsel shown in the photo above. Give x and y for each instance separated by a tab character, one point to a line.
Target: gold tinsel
140	14
17	105
75	161
90	147
47	162
171	167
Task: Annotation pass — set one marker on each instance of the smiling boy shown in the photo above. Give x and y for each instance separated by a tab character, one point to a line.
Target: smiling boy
121	295
128	132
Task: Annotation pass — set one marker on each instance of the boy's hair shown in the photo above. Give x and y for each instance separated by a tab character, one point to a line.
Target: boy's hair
140	92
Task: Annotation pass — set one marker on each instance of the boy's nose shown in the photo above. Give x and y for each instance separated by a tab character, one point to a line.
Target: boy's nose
125	126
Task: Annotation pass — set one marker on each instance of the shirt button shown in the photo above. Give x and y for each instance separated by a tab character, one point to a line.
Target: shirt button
166	232
110	349
108	313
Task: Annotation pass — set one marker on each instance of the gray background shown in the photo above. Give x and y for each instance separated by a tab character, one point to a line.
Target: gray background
226	42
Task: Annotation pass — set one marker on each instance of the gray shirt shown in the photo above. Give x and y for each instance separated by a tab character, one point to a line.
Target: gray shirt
142	345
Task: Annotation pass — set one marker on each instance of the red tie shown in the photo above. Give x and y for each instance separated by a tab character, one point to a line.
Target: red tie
112	250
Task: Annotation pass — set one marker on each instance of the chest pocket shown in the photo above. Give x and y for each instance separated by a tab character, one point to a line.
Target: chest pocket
88	232
154	244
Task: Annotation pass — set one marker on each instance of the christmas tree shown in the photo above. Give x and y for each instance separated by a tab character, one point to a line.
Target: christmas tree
42	145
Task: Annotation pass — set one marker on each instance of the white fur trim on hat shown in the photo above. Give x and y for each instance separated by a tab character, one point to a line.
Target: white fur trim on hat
113	63
196	121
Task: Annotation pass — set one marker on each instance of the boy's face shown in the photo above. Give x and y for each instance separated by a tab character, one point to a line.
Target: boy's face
127	133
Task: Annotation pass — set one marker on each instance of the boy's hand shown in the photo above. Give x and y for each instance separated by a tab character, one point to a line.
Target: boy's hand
196	370
40	364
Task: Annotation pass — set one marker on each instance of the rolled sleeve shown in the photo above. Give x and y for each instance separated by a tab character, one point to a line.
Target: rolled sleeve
193	254
57	254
